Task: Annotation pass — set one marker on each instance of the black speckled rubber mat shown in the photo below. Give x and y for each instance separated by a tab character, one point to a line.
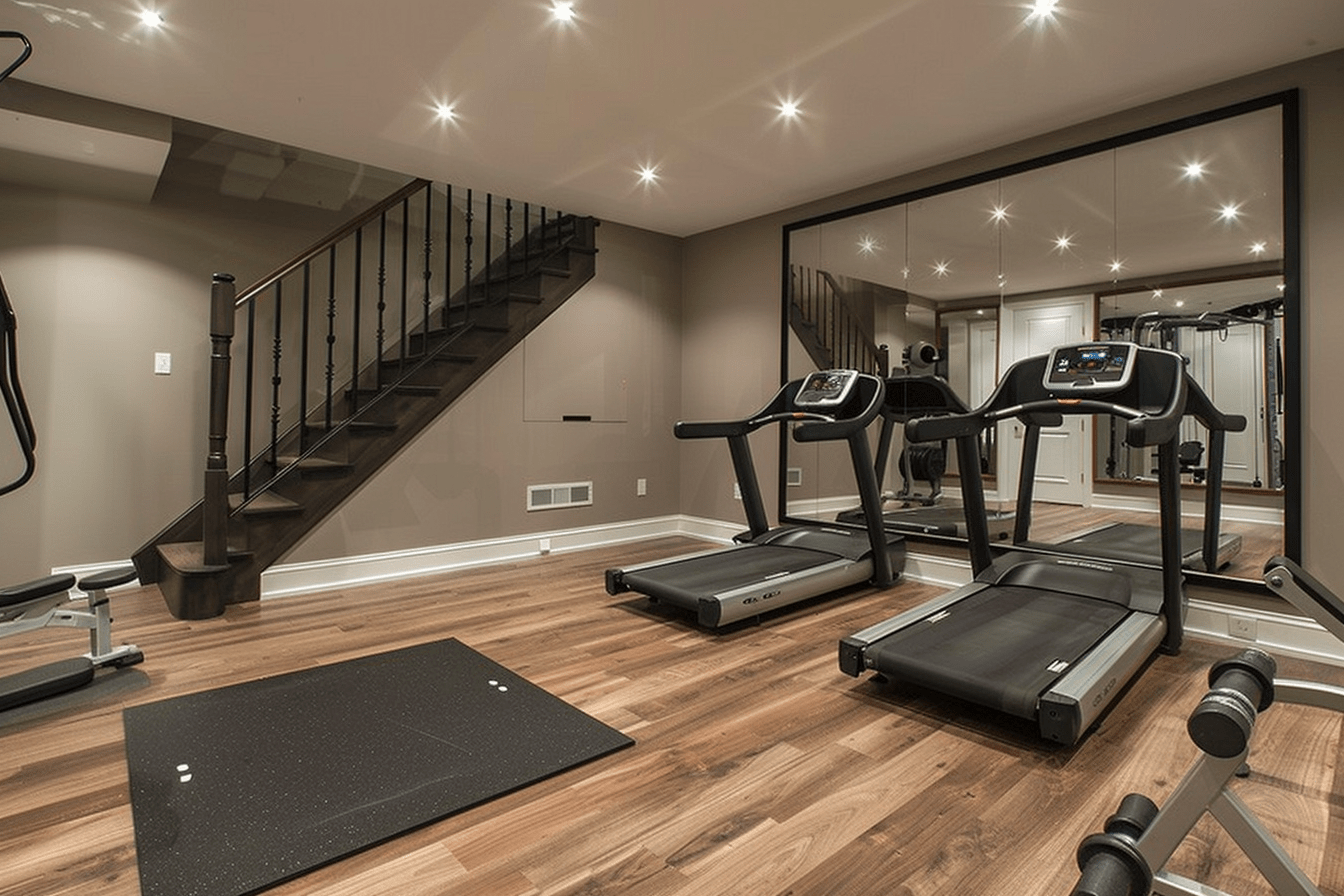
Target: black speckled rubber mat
237	789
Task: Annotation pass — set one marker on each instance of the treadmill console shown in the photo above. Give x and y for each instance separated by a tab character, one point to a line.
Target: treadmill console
826	388
1090	367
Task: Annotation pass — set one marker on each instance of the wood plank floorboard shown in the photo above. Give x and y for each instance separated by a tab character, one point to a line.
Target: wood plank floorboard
759	768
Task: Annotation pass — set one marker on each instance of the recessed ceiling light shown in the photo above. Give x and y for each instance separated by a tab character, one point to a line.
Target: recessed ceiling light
868	244
999	214
1116	265
648	174
151	18
941	268
1063	241
1042	10
1258	248
562	11
445	112
1194	170
788	109
1229	212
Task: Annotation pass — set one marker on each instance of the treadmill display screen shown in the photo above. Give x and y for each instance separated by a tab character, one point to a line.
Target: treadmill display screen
826	388
1093	366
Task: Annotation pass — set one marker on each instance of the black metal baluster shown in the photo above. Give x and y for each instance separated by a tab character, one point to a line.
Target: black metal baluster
429	255
382	300
448	257
277	351
466	242
405	284
248	386
331	336
489	232
508	243
527	238
303	364
357	319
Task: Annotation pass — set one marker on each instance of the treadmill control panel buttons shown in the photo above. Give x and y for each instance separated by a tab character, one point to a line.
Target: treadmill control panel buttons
1090	366
826	388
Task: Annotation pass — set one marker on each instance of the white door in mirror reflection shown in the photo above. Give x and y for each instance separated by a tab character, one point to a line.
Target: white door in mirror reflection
1061	474
1230	365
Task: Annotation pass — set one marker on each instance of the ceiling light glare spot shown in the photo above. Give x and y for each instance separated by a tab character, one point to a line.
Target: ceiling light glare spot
445	112
1229	212
1116	265
1157	293
150	18
1042	10
788	109
1258	248
1193	170
941	268
999	214
1063	242
648	174
562	11
868	245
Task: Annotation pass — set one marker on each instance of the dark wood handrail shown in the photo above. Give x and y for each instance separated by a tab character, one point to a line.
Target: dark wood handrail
330	240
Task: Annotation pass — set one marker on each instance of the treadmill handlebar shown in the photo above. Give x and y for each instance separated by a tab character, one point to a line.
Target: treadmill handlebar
861	408
1152	404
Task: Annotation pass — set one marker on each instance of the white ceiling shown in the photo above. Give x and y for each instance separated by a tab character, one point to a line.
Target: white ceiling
565	115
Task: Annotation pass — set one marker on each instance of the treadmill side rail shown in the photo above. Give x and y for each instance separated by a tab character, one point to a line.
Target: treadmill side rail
853	659
1081	695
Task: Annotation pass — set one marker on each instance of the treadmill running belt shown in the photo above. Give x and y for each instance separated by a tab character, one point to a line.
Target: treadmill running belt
1001	647
686	581
1133	541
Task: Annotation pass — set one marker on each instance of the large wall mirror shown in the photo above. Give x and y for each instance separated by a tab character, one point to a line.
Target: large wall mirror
1182	236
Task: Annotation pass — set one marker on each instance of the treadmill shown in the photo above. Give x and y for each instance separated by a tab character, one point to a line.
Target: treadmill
1050	638
1207	549
771	568
922	395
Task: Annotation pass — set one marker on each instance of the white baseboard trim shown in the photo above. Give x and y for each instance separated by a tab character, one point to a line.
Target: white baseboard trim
1274	632
289	579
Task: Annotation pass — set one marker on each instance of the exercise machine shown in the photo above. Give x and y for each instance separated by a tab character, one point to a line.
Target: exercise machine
1047	637
769	568
910	396
49	602
1208	549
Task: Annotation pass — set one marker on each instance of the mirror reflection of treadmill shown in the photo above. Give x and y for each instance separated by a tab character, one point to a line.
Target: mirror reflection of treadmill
1207	549
922	395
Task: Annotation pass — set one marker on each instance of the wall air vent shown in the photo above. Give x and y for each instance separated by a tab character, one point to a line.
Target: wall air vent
566	494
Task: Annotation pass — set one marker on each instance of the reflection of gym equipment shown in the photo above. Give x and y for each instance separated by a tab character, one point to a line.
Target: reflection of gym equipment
922	395
1046	637
21	422
772	568
46	603
1207	549
1139	839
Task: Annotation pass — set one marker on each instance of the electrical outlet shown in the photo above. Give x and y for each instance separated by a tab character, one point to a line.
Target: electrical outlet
641	487
545	545
163	363
1241	627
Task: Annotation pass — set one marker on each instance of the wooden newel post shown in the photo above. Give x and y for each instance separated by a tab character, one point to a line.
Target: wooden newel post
215	525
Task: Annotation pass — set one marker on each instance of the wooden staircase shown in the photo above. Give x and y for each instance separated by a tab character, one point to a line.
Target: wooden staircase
307	470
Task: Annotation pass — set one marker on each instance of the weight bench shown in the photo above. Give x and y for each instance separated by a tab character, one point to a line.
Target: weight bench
50	602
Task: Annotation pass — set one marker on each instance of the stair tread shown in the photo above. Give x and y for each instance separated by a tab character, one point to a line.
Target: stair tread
266	502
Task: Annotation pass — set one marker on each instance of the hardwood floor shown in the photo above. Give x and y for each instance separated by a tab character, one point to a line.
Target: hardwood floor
759	768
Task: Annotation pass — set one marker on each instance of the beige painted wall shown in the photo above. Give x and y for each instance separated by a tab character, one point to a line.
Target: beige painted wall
466	477
732	283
